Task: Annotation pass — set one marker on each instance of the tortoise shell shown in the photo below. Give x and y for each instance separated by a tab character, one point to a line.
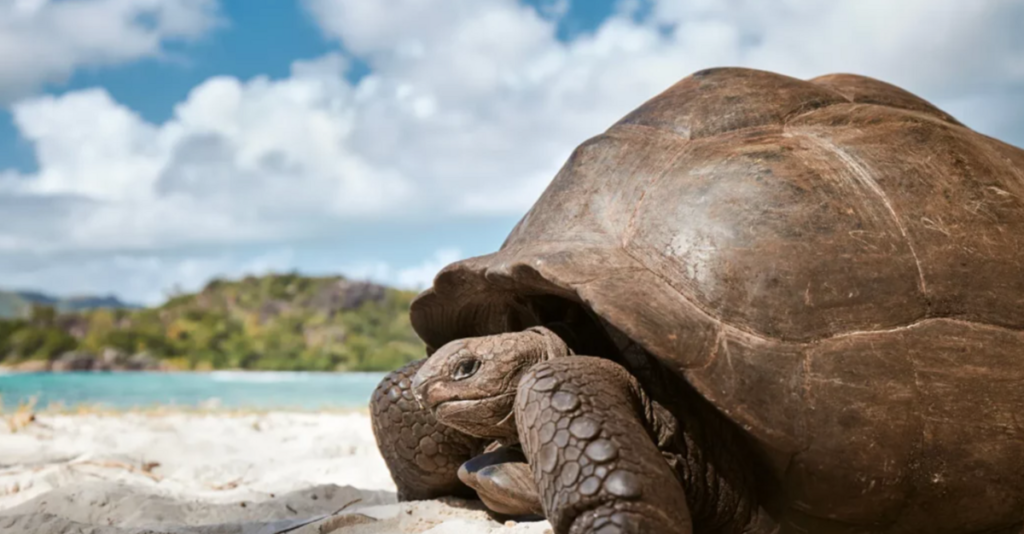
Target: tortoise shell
835	264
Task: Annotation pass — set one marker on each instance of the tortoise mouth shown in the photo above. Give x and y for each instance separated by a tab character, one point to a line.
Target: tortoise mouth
481	417
464	405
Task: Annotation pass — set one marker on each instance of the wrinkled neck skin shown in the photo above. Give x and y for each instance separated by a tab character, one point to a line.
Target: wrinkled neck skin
470	384
724	486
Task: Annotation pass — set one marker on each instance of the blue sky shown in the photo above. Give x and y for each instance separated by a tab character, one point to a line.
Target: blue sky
147	145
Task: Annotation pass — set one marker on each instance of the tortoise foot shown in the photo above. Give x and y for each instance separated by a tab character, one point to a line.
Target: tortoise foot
503	481
422	455
623	519
584	431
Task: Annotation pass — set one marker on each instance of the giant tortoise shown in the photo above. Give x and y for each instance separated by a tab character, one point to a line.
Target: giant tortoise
755	304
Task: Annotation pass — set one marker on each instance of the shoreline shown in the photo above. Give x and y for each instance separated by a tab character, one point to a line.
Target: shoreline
17	370
248	391
157	409
168	410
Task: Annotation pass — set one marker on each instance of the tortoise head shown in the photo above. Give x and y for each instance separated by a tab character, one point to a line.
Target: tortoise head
470	384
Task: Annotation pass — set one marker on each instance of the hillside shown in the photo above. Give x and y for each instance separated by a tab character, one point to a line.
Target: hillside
18	304
274	322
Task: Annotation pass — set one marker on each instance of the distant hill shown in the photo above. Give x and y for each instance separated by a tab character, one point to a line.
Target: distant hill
15	304
279	321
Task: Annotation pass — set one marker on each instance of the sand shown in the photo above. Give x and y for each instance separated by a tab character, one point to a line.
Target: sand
213	473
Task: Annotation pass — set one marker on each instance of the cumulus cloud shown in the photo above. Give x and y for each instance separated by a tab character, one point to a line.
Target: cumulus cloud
141	278
415	277
46	40
940	48
469	108
239	161
149	278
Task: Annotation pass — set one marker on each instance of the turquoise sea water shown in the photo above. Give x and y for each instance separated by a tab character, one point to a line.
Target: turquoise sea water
228	389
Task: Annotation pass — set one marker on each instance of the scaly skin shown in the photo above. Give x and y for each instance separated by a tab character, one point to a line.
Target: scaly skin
423	455
603	455
481	402
597	468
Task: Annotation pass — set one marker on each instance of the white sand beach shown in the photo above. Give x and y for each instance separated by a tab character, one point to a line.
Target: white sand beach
212	473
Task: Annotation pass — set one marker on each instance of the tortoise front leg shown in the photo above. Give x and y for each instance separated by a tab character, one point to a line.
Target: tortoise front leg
583	428
423	455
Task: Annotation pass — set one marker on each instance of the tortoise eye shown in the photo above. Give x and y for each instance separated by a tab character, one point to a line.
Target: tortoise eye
466	369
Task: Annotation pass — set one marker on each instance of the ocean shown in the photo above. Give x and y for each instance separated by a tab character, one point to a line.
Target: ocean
218	389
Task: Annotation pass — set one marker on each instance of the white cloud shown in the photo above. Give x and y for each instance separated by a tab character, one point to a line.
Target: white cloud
239	161
422	276
150	278
940	48
470	107
144	279
415	277
46	40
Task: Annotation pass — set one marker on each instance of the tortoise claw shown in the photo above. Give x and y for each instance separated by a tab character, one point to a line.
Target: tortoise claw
504	482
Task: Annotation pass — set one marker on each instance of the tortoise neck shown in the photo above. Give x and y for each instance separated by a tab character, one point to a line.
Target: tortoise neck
711	457
714	464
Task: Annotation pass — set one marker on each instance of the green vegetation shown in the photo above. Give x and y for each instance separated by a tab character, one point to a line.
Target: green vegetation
274	322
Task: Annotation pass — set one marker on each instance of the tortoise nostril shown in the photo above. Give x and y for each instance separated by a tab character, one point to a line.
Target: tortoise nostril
417	388
421	389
